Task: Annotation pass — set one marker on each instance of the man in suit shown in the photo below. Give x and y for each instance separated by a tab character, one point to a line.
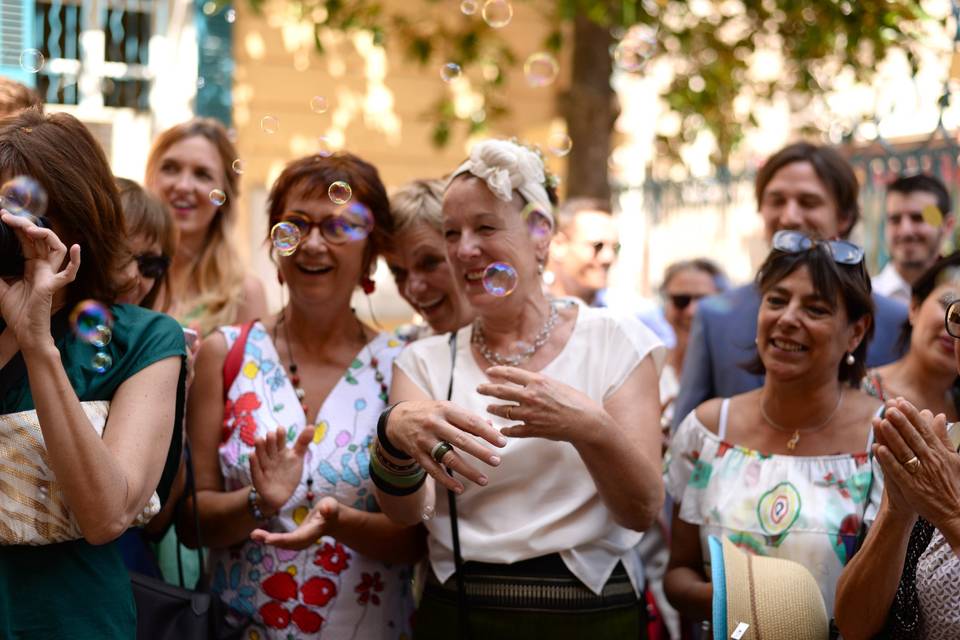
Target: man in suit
804	187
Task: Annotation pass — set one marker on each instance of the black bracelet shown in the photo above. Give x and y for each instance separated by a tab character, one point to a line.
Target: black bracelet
382	435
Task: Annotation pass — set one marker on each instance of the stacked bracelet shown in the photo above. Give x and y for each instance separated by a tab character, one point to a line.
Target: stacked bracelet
395	479
388	446
255	511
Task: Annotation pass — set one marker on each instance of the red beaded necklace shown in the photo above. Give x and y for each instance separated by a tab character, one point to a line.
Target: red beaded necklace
301	394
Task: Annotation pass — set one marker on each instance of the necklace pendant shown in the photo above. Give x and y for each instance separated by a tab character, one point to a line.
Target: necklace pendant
794	439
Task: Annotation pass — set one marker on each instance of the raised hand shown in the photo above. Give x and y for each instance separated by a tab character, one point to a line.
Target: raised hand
26	303
276	468
321	521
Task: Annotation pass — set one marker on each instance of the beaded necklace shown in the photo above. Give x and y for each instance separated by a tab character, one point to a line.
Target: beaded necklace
301	394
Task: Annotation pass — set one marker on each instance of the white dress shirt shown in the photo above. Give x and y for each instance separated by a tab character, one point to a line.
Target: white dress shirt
891	284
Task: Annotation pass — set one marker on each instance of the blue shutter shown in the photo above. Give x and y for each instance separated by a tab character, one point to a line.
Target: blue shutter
215	66
16	34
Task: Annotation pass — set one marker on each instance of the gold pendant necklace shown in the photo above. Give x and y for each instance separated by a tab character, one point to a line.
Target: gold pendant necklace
795	438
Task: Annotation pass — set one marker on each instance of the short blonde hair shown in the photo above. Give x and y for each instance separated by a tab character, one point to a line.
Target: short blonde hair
416	202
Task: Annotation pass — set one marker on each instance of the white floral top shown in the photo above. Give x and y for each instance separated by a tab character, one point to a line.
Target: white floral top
328	589
802	508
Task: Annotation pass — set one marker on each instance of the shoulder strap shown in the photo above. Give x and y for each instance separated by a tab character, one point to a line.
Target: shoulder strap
724	411
234	359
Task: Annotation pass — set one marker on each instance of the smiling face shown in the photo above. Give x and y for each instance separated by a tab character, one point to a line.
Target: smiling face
142	285
800	334
681	296
480	229
582	254
419	266
186	174
929	339
796	198
320	272
912	241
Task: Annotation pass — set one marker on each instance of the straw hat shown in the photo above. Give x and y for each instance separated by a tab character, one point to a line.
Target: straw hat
777	598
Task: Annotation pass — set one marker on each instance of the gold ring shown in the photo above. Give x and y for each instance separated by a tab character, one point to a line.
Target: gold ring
912	465
509	414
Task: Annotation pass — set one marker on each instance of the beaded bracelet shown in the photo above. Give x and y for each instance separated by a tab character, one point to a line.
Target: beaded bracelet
388	446
255	511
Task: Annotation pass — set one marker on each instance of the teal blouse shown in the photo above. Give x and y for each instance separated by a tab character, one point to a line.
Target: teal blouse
74	589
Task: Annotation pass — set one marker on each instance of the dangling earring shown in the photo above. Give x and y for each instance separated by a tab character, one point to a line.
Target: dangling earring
850	360
540	269
368	285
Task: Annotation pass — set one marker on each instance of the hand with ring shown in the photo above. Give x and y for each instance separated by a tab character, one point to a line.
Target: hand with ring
438	434
547	408
920	464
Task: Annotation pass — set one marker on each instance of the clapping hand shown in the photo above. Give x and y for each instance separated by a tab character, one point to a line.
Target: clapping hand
276	468
321	521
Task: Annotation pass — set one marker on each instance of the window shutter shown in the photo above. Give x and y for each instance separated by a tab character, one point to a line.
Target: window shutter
16	34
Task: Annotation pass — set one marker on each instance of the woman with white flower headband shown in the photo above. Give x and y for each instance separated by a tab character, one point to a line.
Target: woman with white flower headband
544	411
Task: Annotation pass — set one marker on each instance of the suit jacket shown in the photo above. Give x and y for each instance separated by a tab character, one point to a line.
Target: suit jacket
723	337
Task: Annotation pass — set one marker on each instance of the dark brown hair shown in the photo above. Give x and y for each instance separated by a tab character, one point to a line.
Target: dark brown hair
83	203
705	265
314	175
146	216
16	96
834	172
567	212
921	289
837	284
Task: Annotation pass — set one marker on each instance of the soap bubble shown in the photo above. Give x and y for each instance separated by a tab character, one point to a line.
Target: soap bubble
269	124
357	222
500	279
340	192
285	237
31	60
450	72
237	166
635	49
537	220
23	194
91	321
231	15
218	197
497	13
101	362
323	147
559	144
540	69
209	8
468	7
201	82
318	104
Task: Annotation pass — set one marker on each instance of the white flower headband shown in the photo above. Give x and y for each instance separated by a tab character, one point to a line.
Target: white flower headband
507	167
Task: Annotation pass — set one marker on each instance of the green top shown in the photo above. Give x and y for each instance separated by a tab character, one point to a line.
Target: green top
74	589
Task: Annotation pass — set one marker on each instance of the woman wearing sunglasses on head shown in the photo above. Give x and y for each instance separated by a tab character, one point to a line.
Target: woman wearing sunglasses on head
783	470
303	390
904	582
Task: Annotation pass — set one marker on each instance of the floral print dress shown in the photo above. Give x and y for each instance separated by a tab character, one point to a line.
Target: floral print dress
327	590
808	509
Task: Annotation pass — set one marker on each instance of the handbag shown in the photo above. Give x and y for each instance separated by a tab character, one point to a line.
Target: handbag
169	612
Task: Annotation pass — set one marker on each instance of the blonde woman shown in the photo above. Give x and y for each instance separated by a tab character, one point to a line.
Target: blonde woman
190	170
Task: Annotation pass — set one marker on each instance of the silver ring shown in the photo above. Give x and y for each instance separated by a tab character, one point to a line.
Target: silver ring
439	450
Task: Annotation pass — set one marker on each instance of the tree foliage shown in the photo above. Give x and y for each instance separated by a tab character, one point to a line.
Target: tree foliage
712	47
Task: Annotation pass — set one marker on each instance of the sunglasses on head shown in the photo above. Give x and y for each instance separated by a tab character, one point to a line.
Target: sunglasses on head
952	319
843	252
682	300
354	223
152	266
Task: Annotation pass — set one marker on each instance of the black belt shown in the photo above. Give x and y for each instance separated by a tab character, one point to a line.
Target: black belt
538	584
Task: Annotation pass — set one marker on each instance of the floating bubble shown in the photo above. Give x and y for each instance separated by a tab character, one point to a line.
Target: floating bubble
201	82
101	337
209	8
450	72
285	237
269	124
635	49
500	279
318	104
468	7
340	192
23	194
537	220
540	69
237	166
231	16
932	215
354	223
497	13
323	147
88	320
101	362
559	144
31	60
218	197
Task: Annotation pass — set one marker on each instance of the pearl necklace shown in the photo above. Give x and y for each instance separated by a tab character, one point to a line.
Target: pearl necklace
795	438
515	360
